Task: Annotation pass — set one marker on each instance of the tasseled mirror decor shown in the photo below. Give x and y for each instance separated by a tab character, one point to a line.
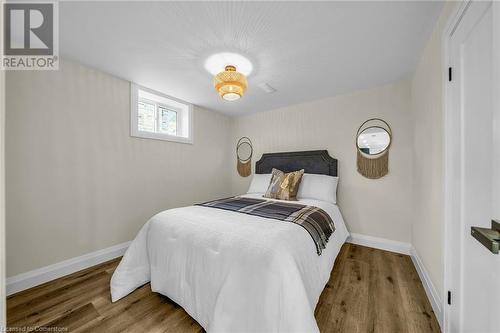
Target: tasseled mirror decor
244	152
373	141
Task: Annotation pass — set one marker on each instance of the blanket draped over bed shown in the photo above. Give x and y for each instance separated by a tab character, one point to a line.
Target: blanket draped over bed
315	220
233	272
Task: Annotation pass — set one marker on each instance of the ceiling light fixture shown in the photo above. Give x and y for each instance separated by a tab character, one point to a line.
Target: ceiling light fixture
230	84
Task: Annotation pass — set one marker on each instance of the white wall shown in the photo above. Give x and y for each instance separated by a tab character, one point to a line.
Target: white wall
380	208
78	182
427	100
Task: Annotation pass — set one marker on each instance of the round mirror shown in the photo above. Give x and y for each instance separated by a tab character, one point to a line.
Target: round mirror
373	140
244	151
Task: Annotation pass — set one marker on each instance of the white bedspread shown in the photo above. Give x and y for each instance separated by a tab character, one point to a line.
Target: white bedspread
230	271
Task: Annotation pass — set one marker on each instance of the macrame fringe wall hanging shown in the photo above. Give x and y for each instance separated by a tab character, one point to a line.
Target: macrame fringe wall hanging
244	152
373	140
373	168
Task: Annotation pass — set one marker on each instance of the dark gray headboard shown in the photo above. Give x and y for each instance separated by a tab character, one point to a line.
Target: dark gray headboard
312	161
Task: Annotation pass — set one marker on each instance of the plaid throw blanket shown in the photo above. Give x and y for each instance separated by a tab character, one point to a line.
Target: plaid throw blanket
313	219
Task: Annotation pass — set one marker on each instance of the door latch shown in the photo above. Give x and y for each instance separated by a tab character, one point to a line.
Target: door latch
490	238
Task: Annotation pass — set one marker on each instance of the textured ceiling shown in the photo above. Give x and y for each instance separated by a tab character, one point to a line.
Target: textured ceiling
305	50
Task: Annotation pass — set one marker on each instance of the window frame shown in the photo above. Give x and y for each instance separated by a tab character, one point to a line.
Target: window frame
183	109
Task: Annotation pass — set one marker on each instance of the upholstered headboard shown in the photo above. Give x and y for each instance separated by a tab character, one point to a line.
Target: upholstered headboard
312	161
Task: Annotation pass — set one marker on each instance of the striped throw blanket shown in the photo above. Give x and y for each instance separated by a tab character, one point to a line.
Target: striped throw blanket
313	219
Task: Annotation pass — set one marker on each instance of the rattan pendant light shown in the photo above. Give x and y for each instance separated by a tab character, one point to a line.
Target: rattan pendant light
230	84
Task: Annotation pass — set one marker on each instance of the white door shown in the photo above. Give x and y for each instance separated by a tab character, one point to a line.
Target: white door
472	170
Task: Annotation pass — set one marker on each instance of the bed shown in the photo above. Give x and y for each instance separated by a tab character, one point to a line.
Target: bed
235	272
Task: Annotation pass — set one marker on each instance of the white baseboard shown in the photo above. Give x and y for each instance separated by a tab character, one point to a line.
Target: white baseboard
380	243
430	289
38	276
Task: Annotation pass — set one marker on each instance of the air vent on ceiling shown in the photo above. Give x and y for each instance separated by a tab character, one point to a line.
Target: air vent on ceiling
267	88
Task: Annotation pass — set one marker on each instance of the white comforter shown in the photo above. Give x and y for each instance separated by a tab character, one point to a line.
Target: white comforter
232	272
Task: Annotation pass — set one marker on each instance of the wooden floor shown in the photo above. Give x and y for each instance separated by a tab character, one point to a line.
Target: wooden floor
369	291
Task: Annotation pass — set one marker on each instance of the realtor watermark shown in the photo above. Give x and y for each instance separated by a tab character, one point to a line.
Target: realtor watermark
30	32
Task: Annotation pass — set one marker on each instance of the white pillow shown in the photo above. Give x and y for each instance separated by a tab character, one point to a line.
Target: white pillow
260	183
319	187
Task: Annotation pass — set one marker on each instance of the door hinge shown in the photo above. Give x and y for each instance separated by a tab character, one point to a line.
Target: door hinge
449	297
450	71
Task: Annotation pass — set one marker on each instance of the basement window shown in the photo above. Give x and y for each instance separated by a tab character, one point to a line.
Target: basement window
157	116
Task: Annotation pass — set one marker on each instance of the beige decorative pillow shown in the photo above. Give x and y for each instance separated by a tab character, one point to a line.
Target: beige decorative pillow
284	186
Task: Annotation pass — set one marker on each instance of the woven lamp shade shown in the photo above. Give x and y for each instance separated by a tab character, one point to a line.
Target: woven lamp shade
230	84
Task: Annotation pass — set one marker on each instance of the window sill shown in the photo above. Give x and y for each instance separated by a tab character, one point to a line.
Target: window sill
163	137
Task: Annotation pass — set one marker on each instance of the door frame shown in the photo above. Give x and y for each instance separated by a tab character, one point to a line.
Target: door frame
452	160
